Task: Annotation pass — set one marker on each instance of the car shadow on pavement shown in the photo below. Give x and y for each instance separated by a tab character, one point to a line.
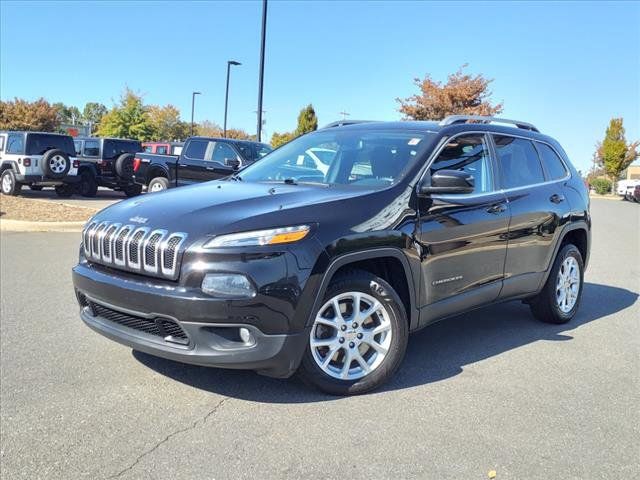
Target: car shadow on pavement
436	353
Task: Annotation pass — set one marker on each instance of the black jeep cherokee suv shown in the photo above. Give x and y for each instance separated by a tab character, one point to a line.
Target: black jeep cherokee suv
293	267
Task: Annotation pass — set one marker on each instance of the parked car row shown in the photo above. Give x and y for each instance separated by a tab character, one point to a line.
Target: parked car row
626	189
81	165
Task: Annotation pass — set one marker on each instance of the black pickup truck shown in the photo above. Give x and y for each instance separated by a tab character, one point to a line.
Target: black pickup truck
201	159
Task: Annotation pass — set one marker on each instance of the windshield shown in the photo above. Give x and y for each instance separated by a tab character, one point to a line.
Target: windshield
372	158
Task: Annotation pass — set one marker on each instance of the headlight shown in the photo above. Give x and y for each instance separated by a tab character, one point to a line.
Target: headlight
272	236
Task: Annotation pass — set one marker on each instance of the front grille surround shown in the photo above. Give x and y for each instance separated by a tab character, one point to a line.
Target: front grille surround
138	249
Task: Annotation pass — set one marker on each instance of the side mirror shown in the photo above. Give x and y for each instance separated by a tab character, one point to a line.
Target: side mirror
232	162
446	182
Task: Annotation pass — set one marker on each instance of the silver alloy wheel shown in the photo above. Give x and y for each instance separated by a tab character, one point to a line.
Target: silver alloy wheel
351	335
157	187
57	163
568	284
7	184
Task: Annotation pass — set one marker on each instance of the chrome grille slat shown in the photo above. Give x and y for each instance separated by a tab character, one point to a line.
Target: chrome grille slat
136	249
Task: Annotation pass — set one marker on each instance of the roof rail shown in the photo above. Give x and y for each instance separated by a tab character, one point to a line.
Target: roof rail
342	123
453	119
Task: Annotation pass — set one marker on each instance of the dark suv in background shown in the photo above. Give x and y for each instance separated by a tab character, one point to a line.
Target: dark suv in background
107	162
284	267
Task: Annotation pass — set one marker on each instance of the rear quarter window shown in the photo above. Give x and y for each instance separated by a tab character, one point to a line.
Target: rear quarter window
553	164
38	144
114	148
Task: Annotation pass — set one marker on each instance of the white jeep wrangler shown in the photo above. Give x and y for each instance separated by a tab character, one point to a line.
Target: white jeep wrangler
39	160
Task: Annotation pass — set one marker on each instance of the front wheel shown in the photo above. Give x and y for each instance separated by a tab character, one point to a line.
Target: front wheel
559	300
10	185
158	184
88	187
64	190
358	338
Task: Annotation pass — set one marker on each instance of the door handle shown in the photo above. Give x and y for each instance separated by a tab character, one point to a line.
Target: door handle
497	208
209	168
556	198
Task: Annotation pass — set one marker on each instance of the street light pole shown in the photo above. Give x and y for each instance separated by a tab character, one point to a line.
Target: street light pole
261	81
193	102
226	95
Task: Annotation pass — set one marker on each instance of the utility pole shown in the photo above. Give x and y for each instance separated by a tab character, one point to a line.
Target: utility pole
344	115
261	80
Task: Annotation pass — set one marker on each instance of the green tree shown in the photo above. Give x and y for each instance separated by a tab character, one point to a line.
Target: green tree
128	119
614	154
166	124
463	94
32	116
93	113
307	121
208	129
278	139
67	113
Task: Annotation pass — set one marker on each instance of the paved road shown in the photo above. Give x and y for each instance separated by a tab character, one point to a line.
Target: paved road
104	198
491	390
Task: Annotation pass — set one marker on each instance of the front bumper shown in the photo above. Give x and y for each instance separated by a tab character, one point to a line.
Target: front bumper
209	326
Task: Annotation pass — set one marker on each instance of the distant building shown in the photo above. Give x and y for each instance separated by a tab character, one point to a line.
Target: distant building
76	130
633	172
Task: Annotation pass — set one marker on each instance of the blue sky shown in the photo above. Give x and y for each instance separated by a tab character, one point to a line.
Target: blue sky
567	67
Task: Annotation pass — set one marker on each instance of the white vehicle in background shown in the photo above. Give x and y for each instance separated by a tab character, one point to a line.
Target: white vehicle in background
625	188
37	159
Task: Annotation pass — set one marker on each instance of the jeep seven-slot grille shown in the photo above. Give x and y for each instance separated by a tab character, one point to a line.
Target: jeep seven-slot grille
136	249
160	327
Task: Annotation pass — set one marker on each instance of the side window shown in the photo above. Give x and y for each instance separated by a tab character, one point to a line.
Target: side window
223	151
148	149
519	161
15	144
553	164
161	150
470	154
196	149
91	148
78	146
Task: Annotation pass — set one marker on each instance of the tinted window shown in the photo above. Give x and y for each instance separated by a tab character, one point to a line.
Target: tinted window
197	149
519	161
78	146
161	149
246	151
15	143
553	164
470	154
223	152
92	148
38	144
148	149
114	148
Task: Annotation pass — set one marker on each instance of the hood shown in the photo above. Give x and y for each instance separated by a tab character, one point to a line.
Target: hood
224	207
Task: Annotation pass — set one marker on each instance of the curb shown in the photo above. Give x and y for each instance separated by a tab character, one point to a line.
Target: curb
607	197
27	226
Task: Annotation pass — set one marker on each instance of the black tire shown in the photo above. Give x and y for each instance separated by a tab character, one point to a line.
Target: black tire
545	305
64	190
158	184
35	188
364	282
10	186
55	163
132	190
124	166
88	186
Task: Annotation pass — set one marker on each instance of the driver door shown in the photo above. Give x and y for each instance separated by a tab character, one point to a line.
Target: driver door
463	236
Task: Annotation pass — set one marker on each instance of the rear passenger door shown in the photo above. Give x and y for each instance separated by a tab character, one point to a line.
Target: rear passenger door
538	210
192	164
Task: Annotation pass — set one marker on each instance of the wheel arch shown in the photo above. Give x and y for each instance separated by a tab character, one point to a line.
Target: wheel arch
577	233
157	171
390	264
9	164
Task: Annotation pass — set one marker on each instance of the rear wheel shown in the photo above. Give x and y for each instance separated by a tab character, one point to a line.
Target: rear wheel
158	184
358	338
559	300
9	184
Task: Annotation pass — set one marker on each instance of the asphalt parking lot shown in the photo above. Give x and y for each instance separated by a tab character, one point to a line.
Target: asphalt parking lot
489	390
104	198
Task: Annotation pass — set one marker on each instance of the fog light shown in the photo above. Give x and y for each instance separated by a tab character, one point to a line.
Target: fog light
246	337
227	285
